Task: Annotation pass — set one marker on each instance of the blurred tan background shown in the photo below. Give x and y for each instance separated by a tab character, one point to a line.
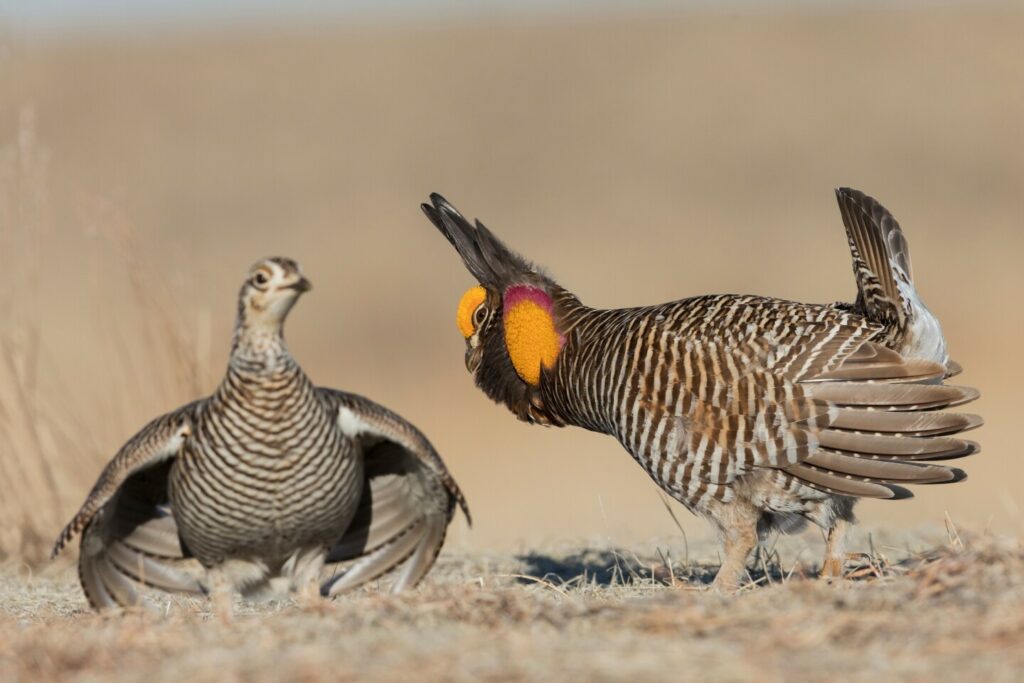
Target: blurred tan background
641	158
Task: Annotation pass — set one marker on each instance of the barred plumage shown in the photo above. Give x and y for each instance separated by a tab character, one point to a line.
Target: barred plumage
265	480
757	413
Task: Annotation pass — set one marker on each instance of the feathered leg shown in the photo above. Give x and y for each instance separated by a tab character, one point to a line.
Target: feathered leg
225	578
305	567
737	524
739	543
221	590
835	550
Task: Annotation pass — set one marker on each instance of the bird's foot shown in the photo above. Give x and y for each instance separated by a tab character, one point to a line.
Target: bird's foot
833	567
223	606
309	598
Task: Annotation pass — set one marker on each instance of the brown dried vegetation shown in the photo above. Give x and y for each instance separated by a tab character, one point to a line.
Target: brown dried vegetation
952	613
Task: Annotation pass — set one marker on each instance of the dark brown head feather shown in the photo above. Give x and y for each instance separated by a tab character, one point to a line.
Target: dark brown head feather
496	267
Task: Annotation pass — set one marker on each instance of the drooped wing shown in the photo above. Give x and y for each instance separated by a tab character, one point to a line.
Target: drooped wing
129	536
854	421
408	498
889	420
714	413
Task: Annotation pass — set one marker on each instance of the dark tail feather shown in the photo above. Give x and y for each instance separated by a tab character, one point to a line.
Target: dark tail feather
885	282
881	257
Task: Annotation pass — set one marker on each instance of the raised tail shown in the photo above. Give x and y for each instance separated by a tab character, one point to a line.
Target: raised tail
889	396
885	282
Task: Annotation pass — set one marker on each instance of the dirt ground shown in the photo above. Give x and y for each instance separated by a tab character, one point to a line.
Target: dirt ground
918	609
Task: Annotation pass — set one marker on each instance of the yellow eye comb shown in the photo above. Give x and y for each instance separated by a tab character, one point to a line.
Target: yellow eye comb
473	297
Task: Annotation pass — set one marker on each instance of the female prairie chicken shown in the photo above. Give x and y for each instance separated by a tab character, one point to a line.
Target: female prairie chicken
264	481
756	413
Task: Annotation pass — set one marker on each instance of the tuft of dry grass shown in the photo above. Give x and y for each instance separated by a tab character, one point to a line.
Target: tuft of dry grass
575	612
29	436
43	432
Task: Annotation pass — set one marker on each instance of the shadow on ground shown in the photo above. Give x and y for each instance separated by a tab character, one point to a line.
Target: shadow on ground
612	567
615	567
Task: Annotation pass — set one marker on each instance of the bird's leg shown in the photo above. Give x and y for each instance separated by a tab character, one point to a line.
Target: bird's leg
221	590
835	550
222	580
739	540
306	567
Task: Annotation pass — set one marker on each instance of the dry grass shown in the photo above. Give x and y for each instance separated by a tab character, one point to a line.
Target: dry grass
30	434
953	613
43	431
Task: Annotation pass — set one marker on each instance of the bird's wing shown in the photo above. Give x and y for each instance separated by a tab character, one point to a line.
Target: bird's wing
129	536
717	412
408	500
831	408
888	418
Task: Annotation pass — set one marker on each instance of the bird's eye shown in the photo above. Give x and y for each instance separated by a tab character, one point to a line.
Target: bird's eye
479	315
260	278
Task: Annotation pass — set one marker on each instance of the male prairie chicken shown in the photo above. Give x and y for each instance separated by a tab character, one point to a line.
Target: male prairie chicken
264	481
756	413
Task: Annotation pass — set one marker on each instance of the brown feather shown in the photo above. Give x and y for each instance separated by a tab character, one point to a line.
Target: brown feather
905	423
900	397
895	446
908	371
881	470
423	557
117	584
151	571
845	484
379	562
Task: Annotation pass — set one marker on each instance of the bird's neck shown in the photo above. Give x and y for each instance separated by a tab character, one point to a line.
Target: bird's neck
260	349
569	310
262	380
577	389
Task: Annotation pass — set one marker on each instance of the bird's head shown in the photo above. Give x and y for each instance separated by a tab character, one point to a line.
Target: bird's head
511	320
271	288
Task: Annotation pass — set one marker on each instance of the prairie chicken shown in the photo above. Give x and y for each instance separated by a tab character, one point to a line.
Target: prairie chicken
264	481
755	413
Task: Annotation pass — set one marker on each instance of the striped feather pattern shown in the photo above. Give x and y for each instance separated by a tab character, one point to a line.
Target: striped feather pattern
758	413
267	471
705	390
267	478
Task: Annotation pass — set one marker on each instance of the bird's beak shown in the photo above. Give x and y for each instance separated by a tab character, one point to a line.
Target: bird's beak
301	285
473	360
